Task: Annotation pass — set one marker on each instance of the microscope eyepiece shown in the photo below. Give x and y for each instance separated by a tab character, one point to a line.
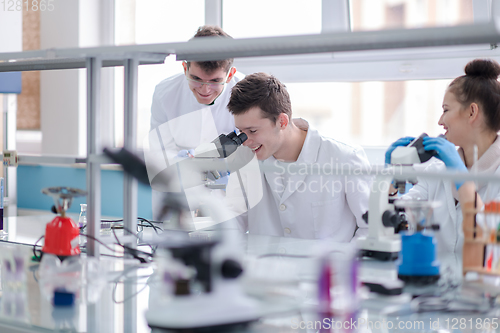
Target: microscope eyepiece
240	139
227	144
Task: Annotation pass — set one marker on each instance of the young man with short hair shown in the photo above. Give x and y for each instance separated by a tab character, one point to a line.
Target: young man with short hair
203	85
191	108
292	203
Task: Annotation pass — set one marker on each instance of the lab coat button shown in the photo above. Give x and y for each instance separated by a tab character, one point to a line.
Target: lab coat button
282	207
287	230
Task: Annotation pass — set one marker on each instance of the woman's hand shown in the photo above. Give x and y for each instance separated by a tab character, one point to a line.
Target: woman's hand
399	143
447	153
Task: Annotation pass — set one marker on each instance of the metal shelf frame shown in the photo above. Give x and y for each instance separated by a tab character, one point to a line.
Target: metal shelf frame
214	48
34	61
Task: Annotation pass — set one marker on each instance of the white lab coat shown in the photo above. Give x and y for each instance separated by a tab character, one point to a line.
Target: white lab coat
450	237
175	104
179	122
311	206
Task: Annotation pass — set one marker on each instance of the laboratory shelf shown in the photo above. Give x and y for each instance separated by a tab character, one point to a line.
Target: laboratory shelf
213	48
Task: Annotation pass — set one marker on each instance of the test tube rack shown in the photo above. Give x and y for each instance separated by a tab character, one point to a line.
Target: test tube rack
478	241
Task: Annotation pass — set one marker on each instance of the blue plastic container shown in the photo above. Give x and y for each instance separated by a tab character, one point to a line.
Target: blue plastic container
418	255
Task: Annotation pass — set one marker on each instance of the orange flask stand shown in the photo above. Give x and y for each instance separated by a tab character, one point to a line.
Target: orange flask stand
62	237
62	233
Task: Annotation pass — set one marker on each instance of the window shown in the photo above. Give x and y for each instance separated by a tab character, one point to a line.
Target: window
370	113
393	14
145	22
263	18
395	95
375	111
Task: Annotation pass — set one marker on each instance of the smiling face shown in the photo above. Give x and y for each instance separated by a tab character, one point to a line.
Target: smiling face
206	93
454	119
264	136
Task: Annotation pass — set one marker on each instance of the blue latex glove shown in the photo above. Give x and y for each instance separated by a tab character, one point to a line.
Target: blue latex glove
186	153
447	153
399	143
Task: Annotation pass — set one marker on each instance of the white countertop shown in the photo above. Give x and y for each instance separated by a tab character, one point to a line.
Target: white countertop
278	269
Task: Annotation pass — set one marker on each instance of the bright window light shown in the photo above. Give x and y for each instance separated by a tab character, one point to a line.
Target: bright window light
370	113
263	18
145	22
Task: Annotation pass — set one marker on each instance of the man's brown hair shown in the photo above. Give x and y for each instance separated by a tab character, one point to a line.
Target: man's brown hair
260	90
211	66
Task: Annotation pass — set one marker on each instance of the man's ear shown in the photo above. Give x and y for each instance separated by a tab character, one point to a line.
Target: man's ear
283	120
184	65
232	71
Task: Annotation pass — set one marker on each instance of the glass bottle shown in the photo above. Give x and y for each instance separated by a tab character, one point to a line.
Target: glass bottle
82	219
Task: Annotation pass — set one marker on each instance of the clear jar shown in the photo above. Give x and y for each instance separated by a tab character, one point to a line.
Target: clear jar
82	219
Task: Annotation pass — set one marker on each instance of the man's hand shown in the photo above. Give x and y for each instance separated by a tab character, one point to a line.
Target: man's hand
447	153
186	153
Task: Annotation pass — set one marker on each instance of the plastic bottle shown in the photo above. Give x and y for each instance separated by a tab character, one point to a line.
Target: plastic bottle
82	219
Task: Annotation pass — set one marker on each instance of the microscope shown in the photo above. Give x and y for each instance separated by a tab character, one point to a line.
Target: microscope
220	148
384	219
418	263
387	217
197	287
382	242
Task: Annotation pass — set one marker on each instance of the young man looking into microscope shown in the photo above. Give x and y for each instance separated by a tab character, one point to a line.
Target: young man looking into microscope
289	203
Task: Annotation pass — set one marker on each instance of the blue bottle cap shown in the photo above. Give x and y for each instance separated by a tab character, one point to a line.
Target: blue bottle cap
63	298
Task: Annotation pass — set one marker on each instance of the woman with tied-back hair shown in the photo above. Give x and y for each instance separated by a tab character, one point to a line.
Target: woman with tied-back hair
471	117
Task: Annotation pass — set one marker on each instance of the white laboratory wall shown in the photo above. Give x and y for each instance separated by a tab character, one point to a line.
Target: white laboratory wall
152	21
372	111
11	26
73	23
11	40
59	95
375	155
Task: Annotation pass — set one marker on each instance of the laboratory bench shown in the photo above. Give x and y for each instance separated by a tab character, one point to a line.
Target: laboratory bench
114	293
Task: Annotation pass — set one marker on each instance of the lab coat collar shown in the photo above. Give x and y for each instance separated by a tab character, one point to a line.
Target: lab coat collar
489	161
218	100
451	195
310	149
308	155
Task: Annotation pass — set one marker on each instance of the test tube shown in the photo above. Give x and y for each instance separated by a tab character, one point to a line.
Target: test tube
2	232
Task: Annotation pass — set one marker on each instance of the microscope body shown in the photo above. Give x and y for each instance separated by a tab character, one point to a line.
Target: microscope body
220	148
213	295
383	242
418	262
217	303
